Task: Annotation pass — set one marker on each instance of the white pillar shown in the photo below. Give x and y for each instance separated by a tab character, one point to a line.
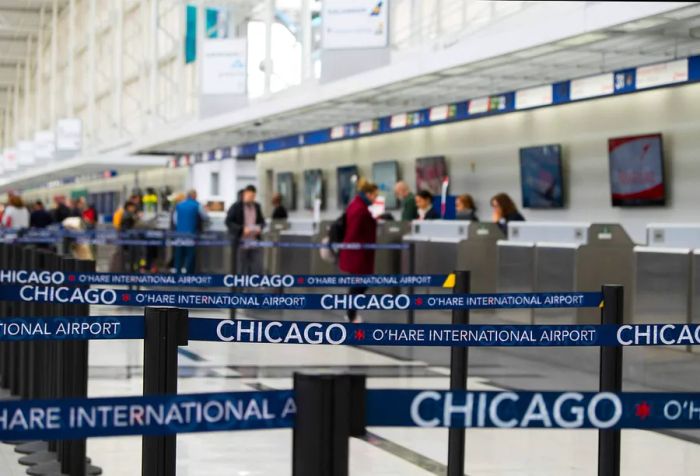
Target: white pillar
181	106
118	67
54	61
27	88
70	77
39	111
153	63
269	19
91	127
15	107
307	67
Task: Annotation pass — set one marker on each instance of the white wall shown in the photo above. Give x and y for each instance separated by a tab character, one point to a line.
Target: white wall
482	155
233	175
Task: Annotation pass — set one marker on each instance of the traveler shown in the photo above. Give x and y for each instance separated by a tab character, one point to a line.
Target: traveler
279	212
407	200
39	218
61	210
16	216
360	227
424	203
245	223
89	215
504	211
466	210
188	218
129	221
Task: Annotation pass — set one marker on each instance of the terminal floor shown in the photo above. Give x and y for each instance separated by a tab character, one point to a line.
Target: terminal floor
115	369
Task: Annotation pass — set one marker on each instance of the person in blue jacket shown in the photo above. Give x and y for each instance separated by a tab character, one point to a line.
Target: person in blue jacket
188	217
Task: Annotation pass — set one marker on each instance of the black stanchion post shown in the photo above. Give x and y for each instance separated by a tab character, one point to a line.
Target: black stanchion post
411	316
166	329
330	409
75	373
234	268
610	379
459	365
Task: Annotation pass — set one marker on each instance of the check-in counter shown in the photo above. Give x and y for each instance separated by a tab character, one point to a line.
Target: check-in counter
571	257
318	265
668	275
390	232
515	273
297	260
214	259
271	258
441	247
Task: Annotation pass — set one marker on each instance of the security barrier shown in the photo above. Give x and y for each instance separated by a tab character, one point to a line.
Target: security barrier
319	409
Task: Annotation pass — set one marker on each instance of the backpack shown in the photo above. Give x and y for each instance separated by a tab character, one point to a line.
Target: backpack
336	234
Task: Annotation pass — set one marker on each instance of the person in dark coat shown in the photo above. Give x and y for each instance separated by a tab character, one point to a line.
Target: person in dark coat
279	212
424	203
504	211
245	222
39	217
360	227
61	211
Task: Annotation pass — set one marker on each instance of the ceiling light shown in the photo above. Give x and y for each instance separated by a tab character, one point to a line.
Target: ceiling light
583	39
642	24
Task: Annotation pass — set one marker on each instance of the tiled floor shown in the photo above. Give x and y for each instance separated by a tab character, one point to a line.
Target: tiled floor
116	370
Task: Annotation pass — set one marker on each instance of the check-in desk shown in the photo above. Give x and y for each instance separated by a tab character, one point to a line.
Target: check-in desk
668	275
441	247
390	232
297	260
568	257
271	258
214	259
318	265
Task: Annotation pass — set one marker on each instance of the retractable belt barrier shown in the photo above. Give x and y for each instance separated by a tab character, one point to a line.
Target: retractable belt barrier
337	333
369	302
57	278
168	238
188	413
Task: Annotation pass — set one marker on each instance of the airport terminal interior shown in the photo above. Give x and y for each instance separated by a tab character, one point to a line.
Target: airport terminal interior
365	207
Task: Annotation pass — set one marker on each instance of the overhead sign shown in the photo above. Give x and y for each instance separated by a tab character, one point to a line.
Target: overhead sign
69	135
44	145
592	86
224	66
25	152
662	73
349	24
9	160
533	97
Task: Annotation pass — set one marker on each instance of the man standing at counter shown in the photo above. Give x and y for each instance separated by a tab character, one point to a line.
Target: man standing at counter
245	222
409	211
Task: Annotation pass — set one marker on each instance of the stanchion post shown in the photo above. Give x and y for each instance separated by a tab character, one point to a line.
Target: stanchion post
459	365
74	461
411	316
235	240
166	329
330	409
610	379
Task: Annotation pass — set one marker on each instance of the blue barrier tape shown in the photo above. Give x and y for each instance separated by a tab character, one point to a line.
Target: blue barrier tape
169	414
335	333
475	335
71	328
56	278
151	415
162	238
436	408
369	302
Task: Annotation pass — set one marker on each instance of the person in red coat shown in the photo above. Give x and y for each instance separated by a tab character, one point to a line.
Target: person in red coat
360	227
